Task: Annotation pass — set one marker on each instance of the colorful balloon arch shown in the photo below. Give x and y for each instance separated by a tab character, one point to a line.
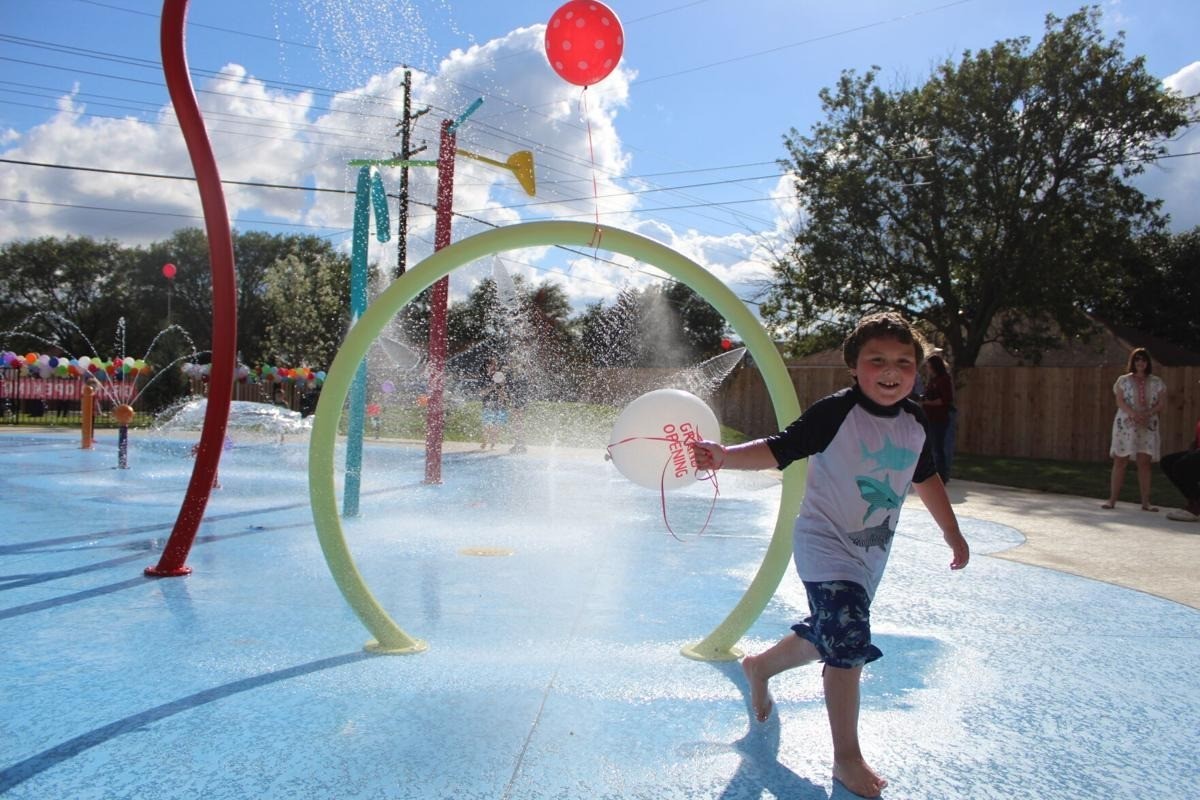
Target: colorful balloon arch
389	637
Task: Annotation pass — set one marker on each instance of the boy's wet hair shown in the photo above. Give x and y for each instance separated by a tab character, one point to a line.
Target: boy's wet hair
884	324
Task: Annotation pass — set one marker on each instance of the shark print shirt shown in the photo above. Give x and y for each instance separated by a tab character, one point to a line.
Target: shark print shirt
862	457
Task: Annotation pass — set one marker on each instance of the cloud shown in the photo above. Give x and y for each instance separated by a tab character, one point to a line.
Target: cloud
1177	180
262	133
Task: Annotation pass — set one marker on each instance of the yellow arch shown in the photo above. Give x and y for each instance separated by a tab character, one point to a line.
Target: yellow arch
389	637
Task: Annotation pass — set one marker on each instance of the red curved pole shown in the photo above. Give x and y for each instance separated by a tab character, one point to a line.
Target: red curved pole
224	293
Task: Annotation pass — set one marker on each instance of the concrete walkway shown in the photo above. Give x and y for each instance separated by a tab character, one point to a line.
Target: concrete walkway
1124	546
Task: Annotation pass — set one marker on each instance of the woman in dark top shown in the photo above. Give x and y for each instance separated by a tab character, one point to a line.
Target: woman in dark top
937	403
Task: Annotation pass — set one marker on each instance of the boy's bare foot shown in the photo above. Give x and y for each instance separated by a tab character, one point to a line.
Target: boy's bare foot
1108	504
1148	507
857	776
760	694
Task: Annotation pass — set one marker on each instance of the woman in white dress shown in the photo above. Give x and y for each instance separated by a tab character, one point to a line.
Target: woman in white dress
1140	397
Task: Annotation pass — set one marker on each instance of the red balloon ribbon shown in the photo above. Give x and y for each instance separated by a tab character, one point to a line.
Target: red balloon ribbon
597	233
662	484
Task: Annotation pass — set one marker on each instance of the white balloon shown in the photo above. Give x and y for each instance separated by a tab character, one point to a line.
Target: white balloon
649	442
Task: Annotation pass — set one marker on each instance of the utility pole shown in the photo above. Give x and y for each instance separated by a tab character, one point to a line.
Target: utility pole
405	134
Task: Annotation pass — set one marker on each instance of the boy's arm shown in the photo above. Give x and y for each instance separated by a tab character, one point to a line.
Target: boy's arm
933	494
750	455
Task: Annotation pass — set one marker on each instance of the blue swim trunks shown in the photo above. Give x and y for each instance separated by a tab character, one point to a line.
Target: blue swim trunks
494	416
839	624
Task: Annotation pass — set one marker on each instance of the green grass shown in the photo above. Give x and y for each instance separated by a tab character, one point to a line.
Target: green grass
141	419
1081	478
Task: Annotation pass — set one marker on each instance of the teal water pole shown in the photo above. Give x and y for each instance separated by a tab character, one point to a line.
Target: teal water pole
369	193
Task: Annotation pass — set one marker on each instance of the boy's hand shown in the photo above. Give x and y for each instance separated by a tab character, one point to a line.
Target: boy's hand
708	455
962	551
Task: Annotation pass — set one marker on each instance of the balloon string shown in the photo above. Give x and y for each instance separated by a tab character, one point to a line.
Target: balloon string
587	119
711	477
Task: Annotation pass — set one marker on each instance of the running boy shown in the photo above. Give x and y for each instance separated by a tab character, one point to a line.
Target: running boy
865	445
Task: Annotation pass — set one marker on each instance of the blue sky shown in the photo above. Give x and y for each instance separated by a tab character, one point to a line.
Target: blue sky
683	137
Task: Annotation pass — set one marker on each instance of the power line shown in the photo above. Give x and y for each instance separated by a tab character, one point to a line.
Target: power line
769	50
346	231
261	185
353	136
142	211
673	9
190	24
264	185
286	86
338	231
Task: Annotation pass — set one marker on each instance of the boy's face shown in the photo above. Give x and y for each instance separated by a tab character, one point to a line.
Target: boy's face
886	369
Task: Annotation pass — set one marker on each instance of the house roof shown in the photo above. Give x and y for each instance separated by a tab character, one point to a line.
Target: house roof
1108	346
1163	352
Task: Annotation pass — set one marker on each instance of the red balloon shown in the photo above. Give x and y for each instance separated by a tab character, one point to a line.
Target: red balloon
169	271
584	41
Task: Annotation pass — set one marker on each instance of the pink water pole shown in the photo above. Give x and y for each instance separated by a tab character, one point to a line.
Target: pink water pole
435	412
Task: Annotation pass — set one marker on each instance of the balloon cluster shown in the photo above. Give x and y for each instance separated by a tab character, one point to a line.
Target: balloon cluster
298	375
37	365
301	376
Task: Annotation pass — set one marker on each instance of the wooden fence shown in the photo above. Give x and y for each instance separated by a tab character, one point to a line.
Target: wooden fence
1063	413
1060	413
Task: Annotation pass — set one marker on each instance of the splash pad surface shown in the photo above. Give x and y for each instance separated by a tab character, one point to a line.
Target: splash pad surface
554	671
719	644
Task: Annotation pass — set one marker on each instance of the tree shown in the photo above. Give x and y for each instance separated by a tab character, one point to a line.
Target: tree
307	303
549	301
65	293
609	335
411	323
255	255
549	332
1157	289
703	326
664	325
477	319
983	203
